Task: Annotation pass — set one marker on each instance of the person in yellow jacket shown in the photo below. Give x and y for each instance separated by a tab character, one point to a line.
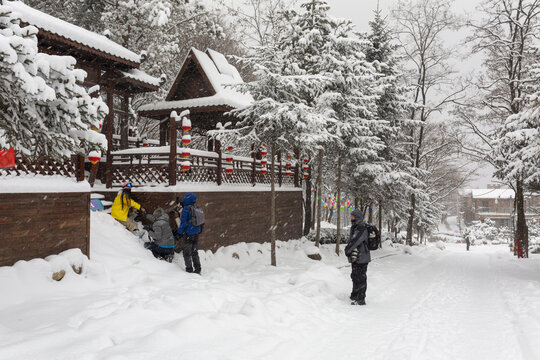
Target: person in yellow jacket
121	205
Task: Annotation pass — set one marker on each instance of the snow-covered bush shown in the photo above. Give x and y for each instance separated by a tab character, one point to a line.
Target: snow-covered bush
43	109
329	236
483	231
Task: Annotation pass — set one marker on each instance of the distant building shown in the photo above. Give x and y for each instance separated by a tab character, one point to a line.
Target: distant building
496	204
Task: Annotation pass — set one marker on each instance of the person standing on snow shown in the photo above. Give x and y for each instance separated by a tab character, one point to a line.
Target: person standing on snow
121	205
468	239
190	234
359	256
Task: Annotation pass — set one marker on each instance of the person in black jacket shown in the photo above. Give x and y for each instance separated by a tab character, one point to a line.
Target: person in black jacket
359	256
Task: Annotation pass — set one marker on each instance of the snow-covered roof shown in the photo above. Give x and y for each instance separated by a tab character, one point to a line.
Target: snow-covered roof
491	193
71	32
219	99
222	76
141	76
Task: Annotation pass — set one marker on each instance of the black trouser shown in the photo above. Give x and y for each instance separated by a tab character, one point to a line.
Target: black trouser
468	244
158	251
190	249
359	280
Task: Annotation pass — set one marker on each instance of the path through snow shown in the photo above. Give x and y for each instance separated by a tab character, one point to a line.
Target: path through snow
433	304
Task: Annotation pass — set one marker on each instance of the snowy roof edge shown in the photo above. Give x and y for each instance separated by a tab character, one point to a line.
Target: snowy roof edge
71	32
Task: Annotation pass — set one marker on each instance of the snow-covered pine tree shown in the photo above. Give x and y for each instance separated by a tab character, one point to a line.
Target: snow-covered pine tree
85	13
394	179
44	112
282	115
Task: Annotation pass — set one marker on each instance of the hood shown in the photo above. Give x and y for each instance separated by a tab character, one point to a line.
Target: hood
159	214
358	216
189	199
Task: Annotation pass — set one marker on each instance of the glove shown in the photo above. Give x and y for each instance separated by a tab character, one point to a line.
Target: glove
143	211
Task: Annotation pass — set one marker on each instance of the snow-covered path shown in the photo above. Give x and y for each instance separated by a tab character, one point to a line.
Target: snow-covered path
433	304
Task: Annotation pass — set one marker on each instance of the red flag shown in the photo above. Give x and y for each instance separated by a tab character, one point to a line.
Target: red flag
7	158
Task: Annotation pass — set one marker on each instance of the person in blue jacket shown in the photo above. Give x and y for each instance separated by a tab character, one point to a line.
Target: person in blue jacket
190	235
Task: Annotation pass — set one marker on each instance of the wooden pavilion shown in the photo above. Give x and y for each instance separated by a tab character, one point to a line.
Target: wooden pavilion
112	71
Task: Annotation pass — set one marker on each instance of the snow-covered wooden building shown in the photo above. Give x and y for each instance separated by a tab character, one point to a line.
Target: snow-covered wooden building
205	87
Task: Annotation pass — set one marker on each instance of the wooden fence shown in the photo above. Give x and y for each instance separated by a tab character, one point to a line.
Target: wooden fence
152	166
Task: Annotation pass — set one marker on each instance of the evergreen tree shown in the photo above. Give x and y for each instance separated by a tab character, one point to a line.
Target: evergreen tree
44	112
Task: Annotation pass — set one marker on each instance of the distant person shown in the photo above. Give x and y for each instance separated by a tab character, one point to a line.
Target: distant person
468	239
359	256
162	244
189	230
121	205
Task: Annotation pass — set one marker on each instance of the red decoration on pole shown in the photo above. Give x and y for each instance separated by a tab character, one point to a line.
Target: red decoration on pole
264	162
264	171
94	157
185	154
288	172
229	170
7	158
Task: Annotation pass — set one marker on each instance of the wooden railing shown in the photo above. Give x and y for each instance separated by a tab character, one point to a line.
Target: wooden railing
69	168
151	166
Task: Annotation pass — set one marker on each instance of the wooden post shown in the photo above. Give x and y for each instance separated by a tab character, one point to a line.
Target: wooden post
163	126
109	133
124	124
79	167
297	167
172	152
219	177
254	165
280	171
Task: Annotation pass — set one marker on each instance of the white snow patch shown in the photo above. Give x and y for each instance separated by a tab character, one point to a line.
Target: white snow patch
41	184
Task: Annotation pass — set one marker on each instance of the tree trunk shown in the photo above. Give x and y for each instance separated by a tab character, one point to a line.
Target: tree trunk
380	221
319	193
522	232
307	207
410	223
338	200
314	209
273	208
370	220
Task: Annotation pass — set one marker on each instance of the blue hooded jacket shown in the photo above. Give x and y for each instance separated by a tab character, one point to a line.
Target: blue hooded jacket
186	227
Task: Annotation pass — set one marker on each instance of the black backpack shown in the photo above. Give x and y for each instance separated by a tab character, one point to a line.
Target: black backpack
374	239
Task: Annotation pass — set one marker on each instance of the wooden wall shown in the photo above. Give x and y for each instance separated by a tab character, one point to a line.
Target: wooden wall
38	225
233	217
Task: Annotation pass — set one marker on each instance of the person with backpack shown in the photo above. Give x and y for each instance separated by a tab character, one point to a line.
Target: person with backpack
357	252
121	205
191	221
160	232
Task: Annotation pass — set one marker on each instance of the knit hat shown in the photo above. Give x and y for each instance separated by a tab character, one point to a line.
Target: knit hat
358	215
127	185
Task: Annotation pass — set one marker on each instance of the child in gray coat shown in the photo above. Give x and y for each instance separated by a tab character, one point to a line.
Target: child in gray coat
162	245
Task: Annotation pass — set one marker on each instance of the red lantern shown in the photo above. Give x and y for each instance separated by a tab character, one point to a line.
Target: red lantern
94	157
186	139
264	171
186	124
229	170
306	161
288	157
264	162
264	153
288	165
185	166
288	172
229	159
186	154
306	175
306	167
145	143
230	148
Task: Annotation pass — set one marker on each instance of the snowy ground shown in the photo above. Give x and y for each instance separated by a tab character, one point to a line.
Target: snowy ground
431	304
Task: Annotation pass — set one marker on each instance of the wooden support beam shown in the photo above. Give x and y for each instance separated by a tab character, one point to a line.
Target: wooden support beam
219	178
124	123
172	152
297	167
280	171
109	120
